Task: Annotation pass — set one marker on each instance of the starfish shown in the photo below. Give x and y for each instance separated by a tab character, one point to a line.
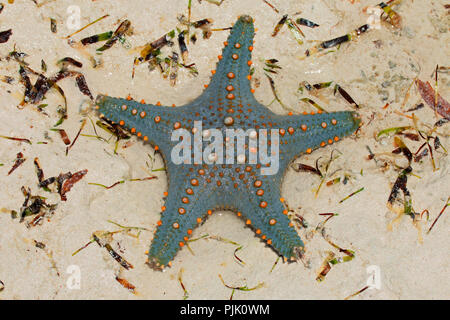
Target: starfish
196	190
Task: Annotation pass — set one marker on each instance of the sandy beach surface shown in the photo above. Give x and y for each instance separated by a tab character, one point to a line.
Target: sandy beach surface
392	253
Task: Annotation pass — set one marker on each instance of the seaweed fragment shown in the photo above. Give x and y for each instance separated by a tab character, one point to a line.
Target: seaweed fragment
395	203
336	41
205	26
402	148
103	239
418	156
35	93
216	2
97	236
115	129
393	17
82	85
346	96
312	88
126	284
189	18
122	181
356	293
69	61
433	99
76	137
173	68
39	171
274	91
38	208
183	47
17	163
86	26
293	27
63	135
16	139
151	50
53	25
271	65
7	79
439	215
79	78
70	181
97	38
272	6
242	288
352	194
322	173
121	30
394	130
49	253
300	167
437	144
307	23
4	35
180	280
331	259
313	103
279	25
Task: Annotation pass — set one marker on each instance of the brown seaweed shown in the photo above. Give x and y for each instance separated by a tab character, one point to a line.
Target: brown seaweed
337	41
305	168
97	38
19	160
127	285
121	30
69	61
345	95
393	17
53	26
402	148
35	93
400	185
39	171
357	292
38	207
180	280
439	215
76	137
307	23
16	139
63	136
182	45
429	95
4	35
279	25
113	253
68	183
173	69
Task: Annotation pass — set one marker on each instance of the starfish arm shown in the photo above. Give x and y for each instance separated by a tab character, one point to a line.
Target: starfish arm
304	133
231	79
150	122
265	213
187	205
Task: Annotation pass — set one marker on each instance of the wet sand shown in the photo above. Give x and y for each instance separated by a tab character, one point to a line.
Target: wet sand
375	70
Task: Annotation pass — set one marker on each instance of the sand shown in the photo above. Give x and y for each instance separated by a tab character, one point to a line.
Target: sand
408	264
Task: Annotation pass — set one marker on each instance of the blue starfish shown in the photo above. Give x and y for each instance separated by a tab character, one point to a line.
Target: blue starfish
196	190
